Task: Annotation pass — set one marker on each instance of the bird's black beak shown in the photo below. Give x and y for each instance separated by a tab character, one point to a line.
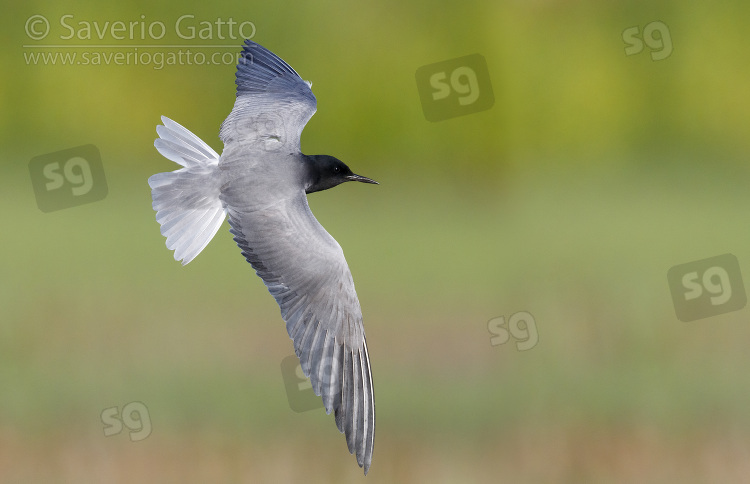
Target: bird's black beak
359	178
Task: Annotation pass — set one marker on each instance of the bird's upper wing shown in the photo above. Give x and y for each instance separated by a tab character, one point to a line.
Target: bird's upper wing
305	271
272	107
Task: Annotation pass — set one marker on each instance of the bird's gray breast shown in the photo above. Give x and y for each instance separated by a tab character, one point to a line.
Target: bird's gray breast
252	180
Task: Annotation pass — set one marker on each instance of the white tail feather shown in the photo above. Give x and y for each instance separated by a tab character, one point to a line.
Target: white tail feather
187	200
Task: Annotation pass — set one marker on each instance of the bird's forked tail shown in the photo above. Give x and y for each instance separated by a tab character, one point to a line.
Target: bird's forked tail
186	200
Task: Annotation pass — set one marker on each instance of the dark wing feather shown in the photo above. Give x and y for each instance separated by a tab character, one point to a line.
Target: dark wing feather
305	270
272	107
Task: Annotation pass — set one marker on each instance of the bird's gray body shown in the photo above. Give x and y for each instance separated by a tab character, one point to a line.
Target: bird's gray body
246	178
260	183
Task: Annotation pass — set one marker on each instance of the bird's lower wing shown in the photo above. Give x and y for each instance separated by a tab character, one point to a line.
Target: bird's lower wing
305	270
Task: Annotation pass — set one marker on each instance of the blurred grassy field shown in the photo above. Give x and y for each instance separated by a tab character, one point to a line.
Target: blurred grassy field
616	386
592	175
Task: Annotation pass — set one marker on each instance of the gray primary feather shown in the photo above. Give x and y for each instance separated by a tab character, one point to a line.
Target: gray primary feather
273	104
305	271
260	182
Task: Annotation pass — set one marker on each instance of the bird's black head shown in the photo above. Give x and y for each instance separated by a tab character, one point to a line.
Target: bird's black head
326	172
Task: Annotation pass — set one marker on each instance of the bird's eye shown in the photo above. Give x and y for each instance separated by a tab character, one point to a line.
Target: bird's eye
336	169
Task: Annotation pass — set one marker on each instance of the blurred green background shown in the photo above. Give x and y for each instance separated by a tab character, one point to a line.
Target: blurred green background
593	174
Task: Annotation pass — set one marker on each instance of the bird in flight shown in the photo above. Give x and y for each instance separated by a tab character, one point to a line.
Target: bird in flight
260	182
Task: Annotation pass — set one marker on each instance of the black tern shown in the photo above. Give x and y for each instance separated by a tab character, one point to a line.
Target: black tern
260	182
